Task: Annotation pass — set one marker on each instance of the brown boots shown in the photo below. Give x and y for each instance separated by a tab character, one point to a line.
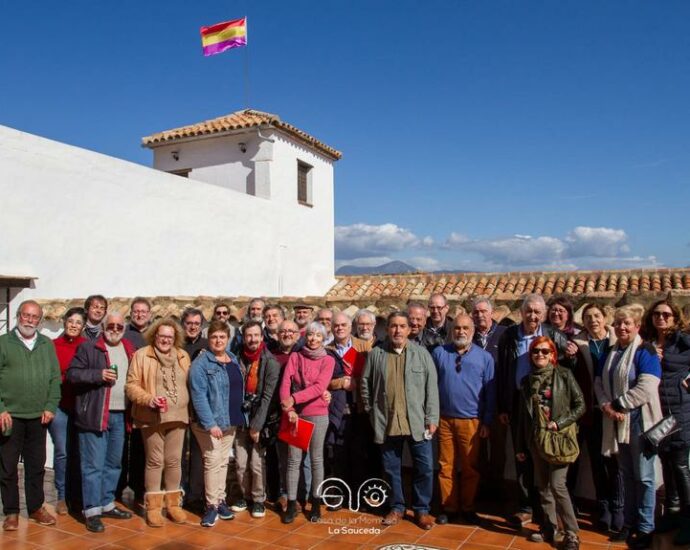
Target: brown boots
154	502
173	504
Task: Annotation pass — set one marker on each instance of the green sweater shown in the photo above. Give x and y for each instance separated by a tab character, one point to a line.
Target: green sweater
29	380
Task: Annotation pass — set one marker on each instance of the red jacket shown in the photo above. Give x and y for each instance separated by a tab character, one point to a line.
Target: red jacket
65	350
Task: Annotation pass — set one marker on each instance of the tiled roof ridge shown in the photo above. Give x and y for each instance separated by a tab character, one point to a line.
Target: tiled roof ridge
507	285
645	270
238	120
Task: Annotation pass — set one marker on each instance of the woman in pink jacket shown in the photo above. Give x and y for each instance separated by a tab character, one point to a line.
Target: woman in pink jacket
305	379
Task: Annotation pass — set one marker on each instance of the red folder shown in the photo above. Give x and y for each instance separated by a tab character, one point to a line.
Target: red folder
298	434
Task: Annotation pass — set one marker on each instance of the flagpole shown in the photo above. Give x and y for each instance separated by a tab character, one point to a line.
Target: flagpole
246	64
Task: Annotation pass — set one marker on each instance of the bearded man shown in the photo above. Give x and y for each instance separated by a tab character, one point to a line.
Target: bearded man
29	396
467	395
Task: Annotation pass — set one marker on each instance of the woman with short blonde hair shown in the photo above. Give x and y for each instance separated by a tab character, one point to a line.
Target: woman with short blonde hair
157	388
627	389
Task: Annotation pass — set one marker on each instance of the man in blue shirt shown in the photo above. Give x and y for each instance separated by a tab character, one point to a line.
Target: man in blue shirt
467	395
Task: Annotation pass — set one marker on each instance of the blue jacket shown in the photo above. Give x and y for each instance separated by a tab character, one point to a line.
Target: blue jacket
675	368
210	390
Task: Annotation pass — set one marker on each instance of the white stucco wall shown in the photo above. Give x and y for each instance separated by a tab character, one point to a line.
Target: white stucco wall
83	223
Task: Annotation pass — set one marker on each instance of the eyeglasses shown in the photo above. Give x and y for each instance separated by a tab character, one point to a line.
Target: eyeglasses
114	327
663	314
458	364
30	316
287	332
192	323
324	319
164	337
541	351
222	313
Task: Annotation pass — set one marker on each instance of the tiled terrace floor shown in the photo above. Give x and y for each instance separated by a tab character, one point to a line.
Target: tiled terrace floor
269	532
246	532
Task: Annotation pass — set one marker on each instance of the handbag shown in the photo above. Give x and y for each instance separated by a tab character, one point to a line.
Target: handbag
557	447
667	426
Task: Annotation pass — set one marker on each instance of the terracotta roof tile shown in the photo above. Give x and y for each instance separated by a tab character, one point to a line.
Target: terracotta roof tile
506	285
384	293
240	120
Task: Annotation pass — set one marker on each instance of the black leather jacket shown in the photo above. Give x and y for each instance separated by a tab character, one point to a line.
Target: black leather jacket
507	362
567	406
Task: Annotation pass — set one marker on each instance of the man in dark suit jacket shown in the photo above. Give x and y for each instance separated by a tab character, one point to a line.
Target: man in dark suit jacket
512	366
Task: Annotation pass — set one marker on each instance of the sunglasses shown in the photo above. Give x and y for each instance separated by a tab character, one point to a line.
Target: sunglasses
114	327
664	314
541	351
458	364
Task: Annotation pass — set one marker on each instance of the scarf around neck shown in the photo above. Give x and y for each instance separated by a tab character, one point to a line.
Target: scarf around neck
166	361
540	378
317	353
620	433
252	356
93	331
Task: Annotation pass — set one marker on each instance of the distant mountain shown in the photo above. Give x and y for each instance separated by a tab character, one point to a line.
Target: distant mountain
390	268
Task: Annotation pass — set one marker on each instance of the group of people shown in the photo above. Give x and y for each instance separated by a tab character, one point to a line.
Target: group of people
174	409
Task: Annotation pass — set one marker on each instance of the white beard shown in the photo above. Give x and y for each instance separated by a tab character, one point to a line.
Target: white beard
27	331
461	342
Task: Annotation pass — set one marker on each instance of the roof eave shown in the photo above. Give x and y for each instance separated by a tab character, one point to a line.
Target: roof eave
326	151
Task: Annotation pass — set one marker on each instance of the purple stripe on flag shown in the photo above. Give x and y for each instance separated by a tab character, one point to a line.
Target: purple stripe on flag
220	47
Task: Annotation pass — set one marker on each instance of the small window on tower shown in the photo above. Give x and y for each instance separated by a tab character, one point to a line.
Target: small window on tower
304	190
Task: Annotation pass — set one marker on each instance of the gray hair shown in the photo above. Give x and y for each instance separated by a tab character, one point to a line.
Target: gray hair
110	314
416	305
439	295
482	300
31	303
274	307
367	313
315	326
342	314
284	323
255	300
533	299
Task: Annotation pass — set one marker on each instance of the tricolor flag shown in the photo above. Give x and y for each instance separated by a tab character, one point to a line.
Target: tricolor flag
223	36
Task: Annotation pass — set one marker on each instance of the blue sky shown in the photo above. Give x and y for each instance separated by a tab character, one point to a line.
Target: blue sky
493	135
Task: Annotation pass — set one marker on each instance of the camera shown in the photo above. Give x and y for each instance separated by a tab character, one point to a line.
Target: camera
251	400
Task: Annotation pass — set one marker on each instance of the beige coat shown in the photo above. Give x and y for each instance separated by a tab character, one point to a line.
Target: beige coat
141	383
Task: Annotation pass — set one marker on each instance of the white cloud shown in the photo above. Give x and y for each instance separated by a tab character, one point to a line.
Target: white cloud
455	239
581	248
363	240
518	250
600	242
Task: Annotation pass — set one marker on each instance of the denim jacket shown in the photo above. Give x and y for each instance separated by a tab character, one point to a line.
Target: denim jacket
210	389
